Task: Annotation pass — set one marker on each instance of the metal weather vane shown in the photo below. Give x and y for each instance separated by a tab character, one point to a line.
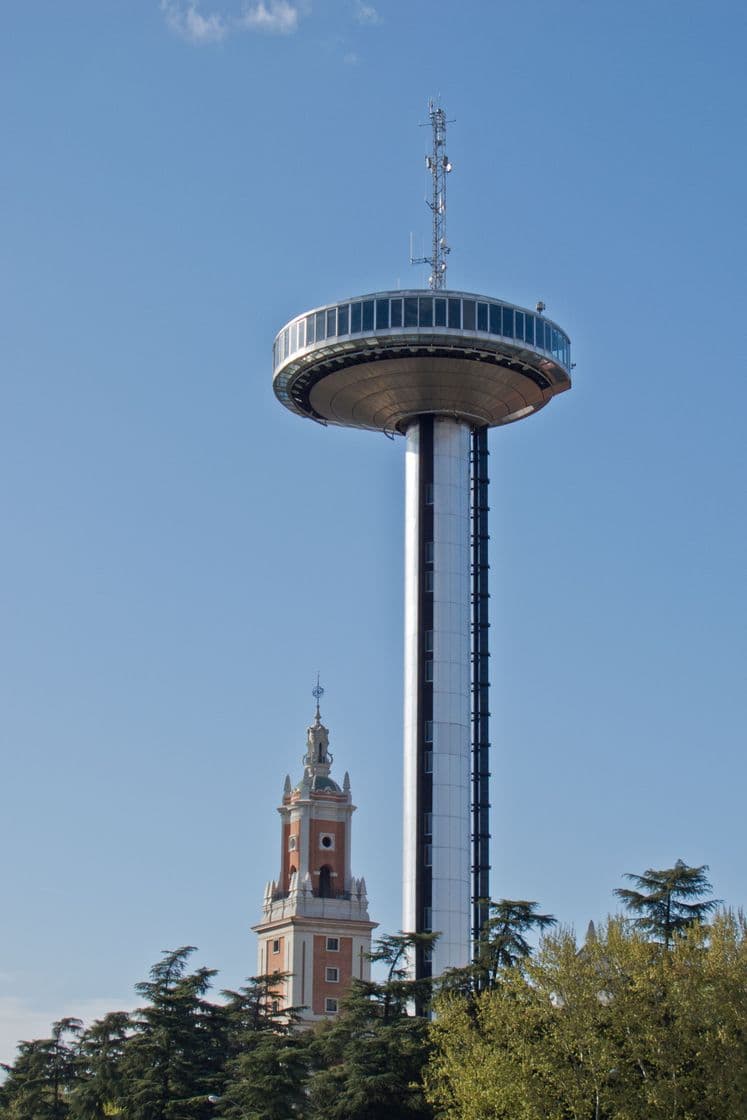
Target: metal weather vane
317	692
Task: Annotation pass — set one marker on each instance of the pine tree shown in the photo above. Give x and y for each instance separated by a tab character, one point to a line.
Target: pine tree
41	1079
267	1066
504	942
100	1085
173	1064
367	1064
670	900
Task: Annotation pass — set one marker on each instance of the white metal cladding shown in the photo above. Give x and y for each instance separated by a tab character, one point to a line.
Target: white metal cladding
412	668
451	694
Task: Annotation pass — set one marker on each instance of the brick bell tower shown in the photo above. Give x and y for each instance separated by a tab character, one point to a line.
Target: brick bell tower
315	924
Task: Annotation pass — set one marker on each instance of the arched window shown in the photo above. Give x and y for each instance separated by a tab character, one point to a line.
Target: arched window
325	881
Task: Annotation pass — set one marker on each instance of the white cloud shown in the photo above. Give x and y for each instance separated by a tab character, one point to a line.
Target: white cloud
278	17
189	22
366	13
19	1021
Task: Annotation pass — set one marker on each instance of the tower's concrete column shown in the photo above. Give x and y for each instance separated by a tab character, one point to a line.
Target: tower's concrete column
437	688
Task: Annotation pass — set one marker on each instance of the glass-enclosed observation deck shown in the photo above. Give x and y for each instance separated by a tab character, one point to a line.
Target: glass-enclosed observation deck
377	360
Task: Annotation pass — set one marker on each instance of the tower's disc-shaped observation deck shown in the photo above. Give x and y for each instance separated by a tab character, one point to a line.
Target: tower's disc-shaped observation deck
381	360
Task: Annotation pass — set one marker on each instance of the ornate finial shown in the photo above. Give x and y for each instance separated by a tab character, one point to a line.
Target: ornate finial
317	692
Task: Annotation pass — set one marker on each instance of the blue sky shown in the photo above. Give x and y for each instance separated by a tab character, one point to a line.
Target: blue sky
181	555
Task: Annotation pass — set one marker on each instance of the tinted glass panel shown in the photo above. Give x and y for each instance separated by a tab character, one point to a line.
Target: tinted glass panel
440	319
426	311
331	322
455	313
320	326
411	312
508	322
482	316
468	314
285	343
539	333
293	339
309	329
529	328
355	318
396	312
368	312
302	334
495	319
519	324
382	314
342	320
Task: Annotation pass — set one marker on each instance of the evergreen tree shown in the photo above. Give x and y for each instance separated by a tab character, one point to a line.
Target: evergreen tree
173	1064
100	1085
399	991
670	900
41	1079
257	1007
503	943
367	1064
267	1067
267	1081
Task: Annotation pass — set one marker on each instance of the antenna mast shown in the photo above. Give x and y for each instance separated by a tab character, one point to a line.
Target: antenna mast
439	166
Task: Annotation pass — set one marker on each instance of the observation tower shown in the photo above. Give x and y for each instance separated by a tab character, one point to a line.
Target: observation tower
438	367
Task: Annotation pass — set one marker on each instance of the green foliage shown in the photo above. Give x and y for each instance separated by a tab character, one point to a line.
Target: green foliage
667	902
367	1065
174	1061
399	991
255	1007
100	1087
503	943
615	1031
38	1083
268	1080
266	1060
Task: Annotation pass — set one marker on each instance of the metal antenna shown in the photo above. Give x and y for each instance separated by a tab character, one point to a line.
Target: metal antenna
439	166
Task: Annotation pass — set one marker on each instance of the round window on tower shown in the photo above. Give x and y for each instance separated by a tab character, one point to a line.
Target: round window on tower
327	841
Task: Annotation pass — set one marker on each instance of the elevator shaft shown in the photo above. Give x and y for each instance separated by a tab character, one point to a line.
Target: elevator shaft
445	806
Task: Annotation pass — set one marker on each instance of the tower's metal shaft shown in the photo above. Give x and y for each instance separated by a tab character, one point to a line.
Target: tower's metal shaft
480	685
437	825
